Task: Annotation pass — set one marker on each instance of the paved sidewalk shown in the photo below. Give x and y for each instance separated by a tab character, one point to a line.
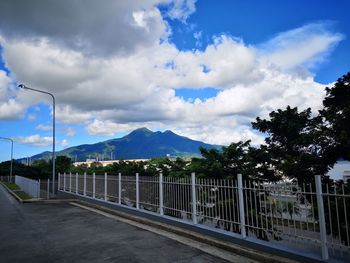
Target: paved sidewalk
64	233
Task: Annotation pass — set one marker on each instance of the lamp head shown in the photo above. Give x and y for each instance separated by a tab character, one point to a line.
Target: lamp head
22	86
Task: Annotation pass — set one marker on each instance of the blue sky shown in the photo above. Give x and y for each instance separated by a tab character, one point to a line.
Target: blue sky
204	69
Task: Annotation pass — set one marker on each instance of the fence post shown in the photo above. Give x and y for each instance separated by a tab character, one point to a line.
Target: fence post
194	199
137	191
70	182
48	188
106	186
59	181
93	185
64	182
76	182
120	188
241	206
321	217
161	204
84	184
38	189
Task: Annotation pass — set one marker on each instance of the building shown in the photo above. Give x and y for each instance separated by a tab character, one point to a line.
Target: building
88	162
340	171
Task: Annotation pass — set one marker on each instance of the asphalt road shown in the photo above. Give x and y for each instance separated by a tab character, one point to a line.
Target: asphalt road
64	233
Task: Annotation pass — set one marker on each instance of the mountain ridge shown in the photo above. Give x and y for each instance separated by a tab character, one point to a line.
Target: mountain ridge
141	143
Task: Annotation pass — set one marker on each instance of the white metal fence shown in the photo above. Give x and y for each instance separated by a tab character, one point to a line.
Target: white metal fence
30	186
310	218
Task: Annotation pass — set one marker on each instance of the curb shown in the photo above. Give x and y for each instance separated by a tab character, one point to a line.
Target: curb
34	200
227	246
12	193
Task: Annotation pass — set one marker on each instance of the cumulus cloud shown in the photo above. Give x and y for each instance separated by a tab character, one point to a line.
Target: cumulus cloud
9	107
91	26
127	78
181	9
108	128
35	140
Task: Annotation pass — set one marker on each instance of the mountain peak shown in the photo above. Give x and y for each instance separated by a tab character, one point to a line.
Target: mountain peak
141	143
142	130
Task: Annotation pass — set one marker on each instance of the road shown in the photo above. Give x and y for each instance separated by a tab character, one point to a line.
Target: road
64	233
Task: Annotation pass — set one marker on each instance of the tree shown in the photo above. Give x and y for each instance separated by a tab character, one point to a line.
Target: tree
336	118
63	164
292	143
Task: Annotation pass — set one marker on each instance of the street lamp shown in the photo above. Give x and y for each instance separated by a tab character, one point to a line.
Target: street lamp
22	86
9	139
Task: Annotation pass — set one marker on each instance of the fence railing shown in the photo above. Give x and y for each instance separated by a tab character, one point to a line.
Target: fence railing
30	186
7	178
311	218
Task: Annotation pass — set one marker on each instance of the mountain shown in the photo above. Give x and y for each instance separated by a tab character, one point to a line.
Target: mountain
139	144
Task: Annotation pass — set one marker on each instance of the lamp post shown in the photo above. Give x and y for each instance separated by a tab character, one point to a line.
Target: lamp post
22	86
9	139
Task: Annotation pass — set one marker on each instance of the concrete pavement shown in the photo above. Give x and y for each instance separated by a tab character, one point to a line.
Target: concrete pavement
64	233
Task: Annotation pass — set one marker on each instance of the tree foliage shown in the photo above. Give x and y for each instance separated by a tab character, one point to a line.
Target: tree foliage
336	118
292	143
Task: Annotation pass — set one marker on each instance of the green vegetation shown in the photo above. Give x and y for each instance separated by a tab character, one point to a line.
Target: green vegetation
23	195
15	188
11	186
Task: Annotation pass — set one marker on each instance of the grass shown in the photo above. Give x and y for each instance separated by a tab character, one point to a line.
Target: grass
11	186
23	195
17	190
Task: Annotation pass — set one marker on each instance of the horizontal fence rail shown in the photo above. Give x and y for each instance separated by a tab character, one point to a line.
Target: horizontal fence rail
311	218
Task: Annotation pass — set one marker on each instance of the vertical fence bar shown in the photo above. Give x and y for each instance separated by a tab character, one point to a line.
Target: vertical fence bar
321	217
48	188
194	199
93	185
64	181
137	191
105	186
119	188
161	204
59	181
76	183
241	205
38	189
84	184
70	182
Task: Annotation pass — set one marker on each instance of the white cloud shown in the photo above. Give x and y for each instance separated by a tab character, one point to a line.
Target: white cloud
35	140
181	9
198	36
64	143
87	25
32	117
108	128
44	127
70	132
9	107
134	84
67	114
306	45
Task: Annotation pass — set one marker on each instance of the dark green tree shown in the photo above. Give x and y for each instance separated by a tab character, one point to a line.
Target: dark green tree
293	143
63	164
336	118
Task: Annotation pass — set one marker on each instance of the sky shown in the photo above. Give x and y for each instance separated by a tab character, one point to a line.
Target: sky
203	69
